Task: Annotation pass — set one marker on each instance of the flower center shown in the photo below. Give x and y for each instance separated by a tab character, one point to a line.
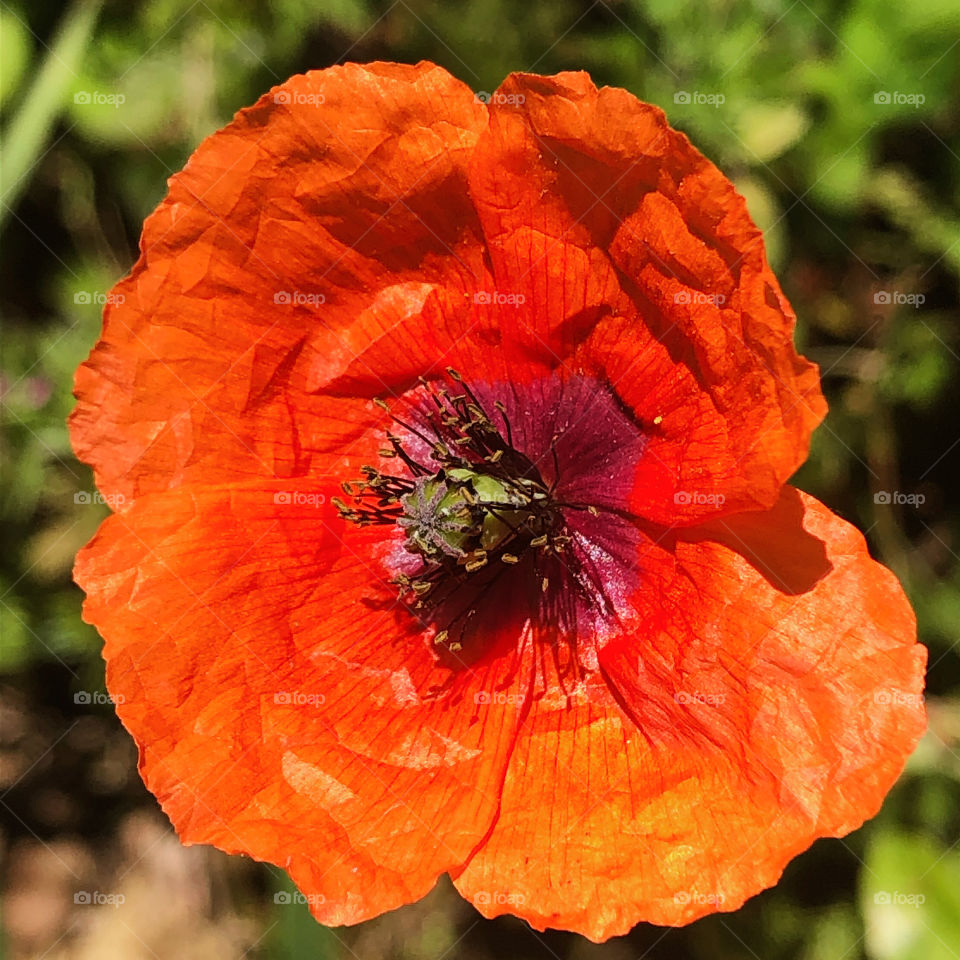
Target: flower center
469	515
512	514
471	500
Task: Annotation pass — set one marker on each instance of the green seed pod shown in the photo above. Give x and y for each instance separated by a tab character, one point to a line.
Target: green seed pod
437	519
459	511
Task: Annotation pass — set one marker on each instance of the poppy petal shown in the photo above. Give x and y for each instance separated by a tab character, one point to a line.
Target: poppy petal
593	206
282	228
786	715
284	705
414	330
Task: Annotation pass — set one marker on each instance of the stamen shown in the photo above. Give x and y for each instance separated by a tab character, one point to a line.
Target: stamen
469	504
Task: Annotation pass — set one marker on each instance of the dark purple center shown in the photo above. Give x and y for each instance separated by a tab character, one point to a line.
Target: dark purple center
515	504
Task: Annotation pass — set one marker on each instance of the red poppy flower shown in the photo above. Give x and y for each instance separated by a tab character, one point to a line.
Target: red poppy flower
453	438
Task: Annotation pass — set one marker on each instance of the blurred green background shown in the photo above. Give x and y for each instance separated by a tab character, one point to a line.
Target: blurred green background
840	123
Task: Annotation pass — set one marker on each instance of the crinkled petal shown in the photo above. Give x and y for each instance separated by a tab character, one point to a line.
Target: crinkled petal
281	230
593	208
284	705
774	700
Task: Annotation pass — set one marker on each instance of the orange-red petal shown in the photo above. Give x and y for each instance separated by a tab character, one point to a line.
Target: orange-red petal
773	701
282	228
284	706
594	208
305	248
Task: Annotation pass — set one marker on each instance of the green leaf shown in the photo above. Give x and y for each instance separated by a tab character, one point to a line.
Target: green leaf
28	131
293	933
14	53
